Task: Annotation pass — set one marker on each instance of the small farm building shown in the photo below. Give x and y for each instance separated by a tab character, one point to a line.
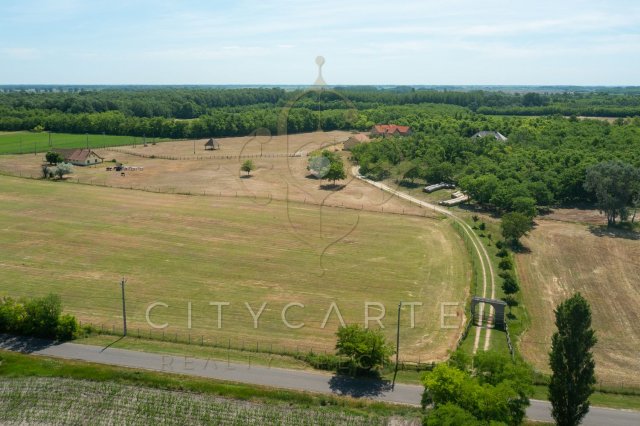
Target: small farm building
80	156
212	144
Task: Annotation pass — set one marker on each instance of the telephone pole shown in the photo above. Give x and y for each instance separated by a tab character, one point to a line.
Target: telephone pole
124	309
393	385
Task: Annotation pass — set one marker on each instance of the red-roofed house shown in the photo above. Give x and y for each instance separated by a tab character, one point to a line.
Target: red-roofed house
390	130
79	157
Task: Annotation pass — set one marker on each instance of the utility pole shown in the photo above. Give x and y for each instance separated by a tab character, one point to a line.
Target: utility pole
194	147
393	385
124	309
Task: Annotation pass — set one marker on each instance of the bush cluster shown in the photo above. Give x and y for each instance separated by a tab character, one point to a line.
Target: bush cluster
39	317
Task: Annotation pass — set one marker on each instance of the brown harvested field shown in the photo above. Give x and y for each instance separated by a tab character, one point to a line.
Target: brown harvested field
566	258
277	176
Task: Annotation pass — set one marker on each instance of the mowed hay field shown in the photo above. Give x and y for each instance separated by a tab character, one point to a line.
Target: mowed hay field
78	240
566	258
28	142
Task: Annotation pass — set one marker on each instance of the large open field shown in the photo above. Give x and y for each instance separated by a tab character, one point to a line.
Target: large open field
78	240
30	142
567	257
277	175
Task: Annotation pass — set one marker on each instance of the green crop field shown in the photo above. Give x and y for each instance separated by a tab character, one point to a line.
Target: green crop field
29	142
190	251
67	401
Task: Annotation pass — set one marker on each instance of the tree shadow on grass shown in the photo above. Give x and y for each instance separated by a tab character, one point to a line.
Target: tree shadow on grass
611	232
408	184
359	387
332	187
24	344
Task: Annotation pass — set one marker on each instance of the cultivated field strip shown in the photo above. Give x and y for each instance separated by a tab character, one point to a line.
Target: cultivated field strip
67	401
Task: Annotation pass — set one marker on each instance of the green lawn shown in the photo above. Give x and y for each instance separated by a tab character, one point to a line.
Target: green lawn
190	251
29	142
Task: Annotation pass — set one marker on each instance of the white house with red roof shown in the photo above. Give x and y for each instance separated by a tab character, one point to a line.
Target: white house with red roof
79	157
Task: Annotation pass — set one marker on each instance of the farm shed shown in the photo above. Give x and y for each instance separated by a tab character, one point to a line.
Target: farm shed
212	144
79	157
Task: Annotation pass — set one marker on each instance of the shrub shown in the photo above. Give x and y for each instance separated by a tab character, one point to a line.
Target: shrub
67	327
500	244
505	264
502	252
367	348
483	226
510	285
40	317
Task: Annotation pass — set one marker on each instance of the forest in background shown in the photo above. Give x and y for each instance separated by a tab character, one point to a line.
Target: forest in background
543	163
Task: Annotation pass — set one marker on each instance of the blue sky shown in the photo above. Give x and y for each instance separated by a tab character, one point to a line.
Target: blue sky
276	42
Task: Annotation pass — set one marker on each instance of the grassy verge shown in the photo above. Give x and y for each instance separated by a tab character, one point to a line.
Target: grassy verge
600	399
222	354
13	365
195	351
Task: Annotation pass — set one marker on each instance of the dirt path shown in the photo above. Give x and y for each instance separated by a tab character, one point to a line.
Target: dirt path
485	261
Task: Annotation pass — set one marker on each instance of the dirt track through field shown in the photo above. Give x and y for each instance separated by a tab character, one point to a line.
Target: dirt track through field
477	244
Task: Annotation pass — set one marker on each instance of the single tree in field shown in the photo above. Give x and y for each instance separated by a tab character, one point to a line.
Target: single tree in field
54	157
613	184
336	171
571	362
366	347
514	226
510	285
248	167
63	169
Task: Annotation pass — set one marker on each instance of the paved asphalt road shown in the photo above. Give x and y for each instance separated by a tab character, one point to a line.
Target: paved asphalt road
275	377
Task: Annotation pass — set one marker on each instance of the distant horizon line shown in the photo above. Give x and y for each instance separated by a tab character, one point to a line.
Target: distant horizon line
293	85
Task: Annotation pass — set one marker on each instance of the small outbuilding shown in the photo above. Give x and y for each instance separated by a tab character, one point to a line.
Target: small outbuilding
212	144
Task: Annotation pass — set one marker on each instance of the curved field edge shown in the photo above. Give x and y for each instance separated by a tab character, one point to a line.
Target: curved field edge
79	241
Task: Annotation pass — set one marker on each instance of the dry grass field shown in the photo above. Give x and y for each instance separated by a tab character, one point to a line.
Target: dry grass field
78	240
277	176
567	257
